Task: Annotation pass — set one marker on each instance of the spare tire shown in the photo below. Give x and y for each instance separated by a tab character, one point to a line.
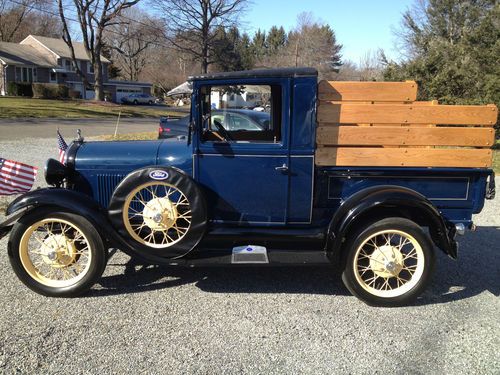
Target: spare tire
160	211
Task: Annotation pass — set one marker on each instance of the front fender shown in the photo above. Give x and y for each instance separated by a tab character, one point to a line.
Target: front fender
67	200
377	202
78	203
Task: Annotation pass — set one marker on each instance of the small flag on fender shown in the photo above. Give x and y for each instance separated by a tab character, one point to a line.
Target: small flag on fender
62	146
16	177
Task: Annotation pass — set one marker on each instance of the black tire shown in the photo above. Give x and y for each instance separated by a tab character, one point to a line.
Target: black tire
361	273
150	102
97	251
176	179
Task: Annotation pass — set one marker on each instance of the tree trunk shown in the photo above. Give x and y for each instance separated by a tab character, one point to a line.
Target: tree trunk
98	86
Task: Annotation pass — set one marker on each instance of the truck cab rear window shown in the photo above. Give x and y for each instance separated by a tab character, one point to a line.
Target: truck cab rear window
248	113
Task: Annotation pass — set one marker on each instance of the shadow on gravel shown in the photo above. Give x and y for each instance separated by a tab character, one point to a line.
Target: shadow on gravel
475	272
139	278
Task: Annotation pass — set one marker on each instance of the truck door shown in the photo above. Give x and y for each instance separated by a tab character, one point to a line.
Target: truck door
241	150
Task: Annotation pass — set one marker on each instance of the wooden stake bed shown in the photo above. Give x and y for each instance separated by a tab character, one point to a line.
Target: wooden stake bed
380	124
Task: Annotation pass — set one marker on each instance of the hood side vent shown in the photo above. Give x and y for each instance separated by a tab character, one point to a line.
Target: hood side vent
106	185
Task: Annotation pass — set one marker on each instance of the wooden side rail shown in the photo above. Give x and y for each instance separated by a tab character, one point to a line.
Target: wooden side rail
381	124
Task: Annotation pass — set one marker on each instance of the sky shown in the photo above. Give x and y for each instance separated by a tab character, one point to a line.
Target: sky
360	25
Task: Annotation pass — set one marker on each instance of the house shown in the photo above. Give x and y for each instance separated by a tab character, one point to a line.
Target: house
48	60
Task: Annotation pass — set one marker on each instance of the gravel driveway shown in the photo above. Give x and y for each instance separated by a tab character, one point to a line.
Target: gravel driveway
154	320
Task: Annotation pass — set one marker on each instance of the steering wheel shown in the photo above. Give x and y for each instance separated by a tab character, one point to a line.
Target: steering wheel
222	131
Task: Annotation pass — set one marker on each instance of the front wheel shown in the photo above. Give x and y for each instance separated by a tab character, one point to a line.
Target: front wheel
388	263
57	254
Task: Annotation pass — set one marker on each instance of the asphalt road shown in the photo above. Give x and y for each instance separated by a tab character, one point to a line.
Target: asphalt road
157	320
15	129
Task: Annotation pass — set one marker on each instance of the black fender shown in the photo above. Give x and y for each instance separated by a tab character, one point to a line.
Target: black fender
375	203
78	203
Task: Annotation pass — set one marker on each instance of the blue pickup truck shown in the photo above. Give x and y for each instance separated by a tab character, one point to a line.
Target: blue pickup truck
298	189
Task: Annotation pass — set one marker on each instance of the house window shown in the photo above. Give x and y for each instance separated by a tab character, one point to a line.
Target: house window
90	67
68	65
53	76
26	74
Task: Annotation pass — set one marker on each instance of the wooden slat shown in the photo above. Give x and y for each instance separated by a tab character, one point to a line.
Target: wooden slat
349	113
408	136
407	157
367	91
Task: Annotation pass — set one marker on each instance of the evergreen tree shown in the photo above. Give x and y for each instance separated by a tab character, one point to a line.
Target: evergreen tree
276	40
453	48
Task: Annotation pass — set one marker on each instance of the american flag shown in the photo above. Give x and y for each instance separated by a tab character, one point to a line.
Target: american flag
62	146
16	177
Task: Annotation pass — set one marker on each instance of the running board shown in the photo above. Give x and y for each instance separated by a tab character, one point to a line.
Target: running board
249	254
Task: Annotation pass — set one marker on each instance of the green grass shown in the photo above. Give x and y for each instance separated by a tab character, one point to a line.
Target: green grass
146	136
12	107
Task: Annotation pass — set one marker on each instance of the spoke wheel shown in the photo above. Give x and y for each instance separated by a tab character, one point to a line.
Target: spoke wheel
157	214
389	263
55	252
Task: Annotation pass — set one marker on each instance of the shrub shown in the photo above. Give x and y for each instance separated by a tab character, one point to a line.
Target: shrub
73	94
19	89
50	91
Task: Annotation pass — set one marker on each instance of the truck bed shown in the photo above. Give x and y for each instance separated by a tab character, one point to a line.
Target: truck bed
458	193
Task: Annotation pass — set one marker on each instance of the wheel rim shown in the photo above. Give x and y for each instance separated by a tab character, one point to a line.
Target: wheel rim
55	252
157	214
389	263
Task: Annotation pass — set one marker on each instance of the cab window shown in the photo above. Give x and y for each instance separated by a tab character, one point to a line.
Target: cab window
241	113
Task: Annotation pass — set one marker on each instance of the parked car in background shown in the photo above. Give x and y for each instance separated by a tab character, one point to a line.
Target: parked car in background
230	119
139	99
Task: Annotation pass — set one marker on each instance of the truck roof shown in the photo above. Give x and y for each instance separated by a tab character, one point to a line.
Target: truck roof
258	73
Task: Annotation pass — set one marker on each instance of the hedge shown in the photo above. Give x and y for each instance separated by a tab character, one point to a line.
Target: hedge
19	89
50	91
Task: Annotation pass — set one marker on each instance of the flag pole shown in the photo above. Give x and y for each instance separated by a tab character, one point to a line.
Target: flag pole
117	123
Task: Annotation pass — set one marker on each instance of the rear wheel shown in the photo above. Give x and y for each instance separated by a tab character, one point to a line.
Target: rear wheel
58	254
388	263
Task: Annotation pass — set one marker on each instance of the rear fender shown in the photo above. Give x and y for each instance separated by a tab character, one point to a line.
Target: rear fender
375	203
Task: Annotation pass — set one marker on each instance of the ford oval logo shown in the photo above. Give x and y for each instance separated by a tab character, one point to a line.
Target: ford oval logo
158	175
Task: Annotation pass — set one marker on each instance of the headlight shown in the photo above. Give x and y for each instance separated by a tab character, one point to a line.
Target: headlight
55	172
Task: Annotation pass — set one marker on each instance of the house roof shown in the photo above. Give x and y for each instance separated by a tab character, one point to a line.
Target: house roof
19	54
59	47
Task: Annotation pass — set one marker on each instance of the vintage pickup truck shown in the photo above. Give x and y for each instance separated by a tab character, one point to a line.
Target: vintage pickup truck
354	174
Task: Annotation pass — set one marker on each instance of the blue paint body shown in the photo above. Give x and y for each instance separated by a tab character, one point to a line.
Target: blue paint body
242	186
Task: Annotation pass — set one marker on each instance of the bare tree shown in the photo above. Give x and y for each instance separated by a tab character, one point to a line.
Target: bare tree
192	24
20	18
93	17
370	66
130	40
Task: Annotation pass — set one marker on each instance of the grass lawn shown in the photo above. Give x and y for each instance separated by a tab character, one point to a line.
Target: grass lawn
12	107
496	157
146	136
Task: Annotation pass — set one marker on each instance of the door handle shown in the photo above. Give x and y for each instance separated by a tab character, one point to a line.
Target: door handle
283	168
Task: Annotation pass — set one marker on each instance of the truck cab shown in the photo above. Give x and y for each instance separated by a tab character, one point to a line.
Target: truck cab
276	169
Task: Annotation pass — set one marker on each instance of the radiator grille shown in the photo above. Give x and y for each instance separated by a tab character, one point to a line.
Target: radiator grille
106	184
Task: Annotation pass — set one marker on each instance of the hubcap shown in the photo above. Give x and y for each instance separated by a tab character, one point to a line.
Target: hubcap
386	261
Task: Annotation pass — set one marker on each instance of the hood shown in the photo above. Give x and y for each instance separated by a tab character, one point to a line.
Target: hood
126	156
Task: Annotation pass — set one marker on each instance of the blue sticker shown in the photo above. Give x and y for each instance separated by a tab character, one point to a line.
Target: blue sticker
249	249
158	175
